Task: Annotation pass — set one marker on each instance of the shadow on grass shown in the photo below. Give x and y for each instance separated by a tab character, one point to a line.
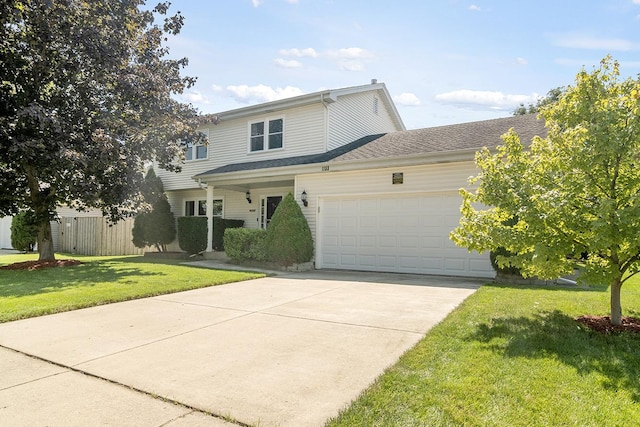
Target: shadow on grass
17	283
563	288
554	334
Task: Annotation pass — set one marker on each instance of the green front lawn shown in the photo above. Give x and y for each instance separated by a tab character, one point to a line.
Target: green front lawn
513	356
100	280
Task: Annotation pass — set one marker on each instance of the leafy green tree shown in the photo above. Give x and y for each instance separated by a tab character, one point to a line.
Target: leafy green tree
552	96
289	239
24	231
575	192
85	102
157	227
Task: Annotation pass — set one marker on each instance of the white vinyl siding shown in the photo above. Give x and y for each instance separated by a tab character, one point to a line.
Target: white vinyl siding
353	117
5	232
304	133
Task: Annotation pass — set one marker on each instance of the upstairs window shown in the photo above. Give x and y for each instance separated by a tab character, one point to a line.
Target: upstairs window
266	135
196	151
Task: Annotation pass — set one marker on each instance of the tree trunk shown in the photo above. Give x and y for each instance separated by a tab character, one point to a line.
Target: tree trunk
616	307
45	242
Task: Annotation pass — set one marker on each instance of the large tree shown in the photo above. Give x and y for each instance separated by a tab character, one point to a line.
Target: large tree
570	200
85	102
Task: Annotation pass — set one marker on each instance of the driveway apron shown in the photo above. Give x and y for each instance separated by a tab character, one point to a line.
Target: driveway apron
289	350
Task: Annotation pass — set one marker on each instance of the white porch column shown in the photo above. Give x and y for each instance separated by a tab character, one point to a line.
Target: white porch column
210	218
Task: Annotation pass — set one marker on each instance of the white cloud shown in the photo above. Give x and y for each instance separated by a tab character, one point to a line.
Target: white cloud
350	53
195	97
261	93
299	53
474	7
256	3
287	63
292	1
348	59
407	99
585	41
636	1
521	61
351	66
480	99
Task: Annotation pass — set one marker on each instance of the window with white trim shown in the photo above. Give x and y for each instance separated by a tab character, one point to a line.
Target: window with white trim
199	207
266	135
196	151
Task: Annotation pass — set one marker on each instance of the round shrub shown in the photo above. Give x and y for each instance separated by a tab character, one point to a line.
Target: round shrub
244	244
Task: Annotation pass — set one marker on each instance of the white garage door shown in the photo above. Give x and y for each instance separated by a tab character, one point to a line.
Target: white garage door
407	234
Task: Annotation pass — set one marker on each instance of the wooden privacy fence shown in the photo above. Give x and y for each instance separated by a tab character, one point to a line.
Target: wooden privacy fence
95	236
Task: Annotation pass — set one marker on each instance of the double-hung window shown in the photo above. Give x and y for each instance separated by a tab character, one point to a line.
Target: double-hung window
266	135
196	151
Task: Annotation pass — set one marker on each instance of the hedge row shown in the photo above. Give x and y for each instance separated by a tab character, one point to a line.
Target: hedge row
286	241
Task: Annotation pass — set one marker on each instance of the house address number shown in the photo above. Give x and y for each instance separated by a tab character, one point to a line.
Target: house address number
325	168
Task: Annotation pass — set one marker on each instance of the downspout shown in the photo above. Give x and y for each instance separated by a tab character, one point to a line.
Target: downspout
326	123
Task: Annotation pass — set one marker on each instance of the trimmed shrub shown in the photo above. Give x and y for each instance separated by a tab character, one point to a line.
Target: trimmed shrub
156	228
289	238
507	269
24	231
219	226
244	244
192	234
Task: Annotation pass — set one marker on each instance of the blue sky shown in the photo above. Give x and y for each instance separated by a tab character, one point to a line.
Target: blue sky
443	61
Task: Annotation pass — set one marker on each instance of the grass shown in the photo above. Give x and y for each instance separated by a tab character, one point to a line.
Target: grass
513	356
100	280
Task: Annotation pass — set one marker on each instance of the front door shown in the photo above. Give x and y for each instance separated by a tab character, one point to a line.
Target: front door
268	205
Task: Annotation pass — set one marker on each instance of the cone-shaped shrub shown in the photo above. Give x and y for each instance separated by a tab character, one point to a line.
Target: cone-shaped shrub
158	227
24	231
288	239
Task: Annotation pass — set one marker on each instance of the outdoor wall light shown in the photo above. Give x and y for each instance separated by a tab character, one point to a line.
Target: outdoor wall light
303	197
248	196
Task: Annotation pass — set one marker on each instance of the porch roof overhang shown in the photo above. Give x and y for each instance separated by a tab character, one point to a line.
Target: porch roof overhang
273	172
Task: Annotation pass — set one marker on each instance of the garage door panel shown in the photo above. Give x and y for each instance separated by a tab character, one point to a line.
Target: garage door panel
368	261
387	261
409	242
349	242
395	233
368	241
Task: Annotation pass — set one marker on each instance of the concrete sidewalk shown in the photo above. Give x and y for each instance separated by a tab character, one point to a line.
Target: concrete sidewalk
290	350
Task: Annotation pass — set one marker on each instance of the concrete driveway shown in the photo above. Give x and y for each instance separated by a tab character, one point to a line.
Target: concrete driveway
290	350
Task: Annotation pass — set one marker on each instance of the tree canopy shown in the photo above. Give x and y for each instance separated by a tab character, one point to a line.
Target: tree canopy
570	200
552	96
85	102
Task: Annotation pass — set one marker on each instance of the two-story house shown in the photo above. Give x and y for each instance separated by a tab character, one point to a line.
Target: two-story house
377	197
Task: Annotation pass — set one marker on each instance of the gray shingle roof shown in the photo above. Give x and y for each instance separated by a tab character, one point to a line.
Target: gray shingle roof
441	139
463	136
293	161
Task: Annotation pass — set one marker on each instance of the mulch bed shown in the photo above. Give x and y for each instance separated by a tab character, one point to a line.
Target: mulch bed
603	324
38	265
